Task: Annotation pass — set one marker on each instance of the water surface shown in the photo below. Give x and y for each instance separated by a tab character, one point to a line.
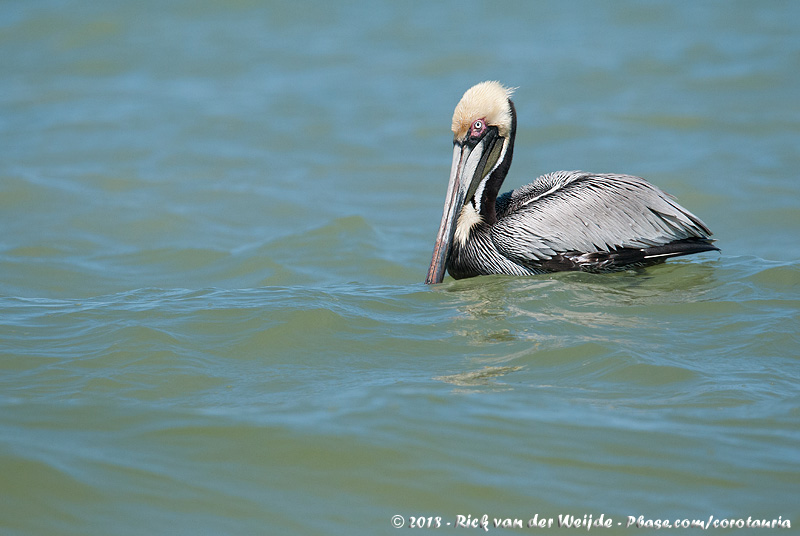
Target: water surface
217	217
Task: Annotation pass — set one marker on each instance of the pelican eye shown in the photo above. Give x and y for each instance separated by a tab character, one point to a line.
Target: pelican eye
477	128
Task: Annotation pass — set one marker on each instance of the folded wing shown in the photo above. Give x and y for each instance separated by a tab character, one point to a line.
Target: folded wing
603	219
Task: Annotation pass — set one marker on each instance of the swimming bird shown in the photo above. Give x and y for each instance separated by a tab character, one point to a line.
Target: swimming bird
567	220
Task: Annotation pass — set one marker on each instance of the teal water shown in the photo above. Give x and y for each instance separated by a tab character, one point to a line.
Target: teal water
217	217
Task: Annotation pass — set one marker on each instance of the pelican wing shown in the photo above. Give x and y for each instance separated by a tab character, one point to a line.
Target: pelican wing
573	211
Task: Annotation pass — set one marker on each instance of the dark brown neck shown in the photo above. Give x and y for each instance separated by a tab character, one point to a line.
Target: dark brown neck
488	210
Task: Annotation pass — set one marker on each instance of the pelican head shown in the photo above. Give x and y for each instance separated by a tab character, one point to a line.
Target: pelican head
483	137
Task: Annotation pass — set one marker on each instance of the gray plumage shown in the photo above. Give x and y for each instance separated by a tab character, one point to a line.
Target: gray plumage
568	220
572	220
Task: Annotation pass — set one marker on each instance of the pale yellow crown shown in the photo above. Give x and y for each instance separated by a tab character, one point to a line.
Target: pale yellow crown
487	101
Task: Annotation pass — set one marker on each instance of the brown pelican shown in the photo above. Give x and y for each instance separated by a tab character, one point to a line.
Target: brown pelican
567	220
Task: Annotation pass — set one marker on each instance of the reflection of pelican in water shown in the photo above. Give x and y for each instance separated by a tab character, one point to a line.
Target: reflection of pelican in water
567	220
485	376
